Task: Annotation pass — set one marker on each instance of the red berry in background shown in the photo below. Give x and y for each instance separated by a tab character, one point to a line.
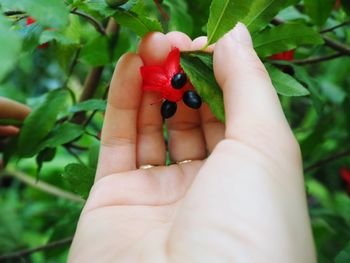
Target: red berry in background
345	174
30	21
287	55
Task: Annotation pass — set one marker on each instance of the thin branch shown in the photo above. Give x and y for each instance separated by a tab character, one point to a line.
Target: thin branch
327	160
335	27
43	186
92	20
71	151
335	45
317	59
72	66
344	49
99	28
26	252
93	78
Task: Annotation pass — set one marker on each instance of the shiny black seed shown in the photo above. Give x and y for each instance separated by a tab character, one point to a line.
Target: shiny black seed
178	80
168	109
192	99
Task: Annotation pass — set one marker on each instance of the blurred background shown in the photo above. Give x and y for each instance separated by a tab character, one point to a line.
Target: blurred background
57	57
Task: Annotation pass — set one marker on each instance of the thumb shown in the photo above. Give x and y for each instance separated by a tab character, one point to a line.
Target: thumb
252	106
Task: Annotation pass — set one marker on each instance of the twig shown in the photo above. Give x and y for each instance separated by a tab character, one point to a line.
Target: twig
26	252
344	49
94	77
70	150
317	59
72	66
327	160
335	45
45	187
335	27
99	28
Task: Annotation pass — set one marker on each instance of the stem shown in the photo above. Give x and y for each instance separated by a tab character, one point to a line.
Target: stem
26	252
335	27
70	151
72	66
161	10
317	59
93	78
344	49
327	160
99	28
43	186
335	45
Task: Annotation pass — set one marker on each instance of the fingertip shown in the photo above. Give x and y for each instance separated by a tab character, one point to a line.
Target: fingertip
151	42
179	40
200	42
126	74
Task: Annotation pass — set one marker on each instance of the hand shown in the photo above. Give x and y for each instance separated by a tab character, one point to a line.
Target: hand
245	202
10	109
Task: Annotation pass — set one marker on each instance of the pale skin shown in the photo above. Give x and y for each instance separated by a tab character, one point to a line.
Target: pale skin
241	200
10	109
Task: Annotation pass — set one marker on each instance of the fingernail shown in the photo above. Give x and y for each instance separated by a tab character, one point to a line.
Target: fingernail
241	34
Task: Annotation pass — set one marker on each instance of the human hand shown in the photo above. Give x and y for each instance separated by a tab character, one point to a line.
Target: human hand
244	202
10	109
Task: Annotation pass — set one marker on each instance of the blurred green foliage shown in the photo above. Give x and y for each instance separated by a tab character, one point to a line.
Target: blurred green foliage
65	82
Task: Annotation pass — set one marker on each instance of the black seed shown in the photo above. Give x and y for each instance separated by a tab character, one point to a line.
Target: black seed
168	109
192	99
178	80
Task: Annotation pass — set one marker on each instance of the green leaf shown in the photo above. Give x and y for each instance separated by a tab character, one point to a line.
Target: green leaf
196	7
46	155
302	75
255	14
10	47
344	255
137	19
50	13
49	35
202	78
89	105
285	37
31	35
224	14
261	12
63	134
346	6
319	10
40	122
93	155
180	20
99	6
285	84
96	52
80	178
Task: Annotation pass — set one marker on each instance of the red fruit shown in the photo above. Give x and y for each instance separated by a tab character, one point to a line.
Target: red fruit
166	79
30	21
345	174
287	55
